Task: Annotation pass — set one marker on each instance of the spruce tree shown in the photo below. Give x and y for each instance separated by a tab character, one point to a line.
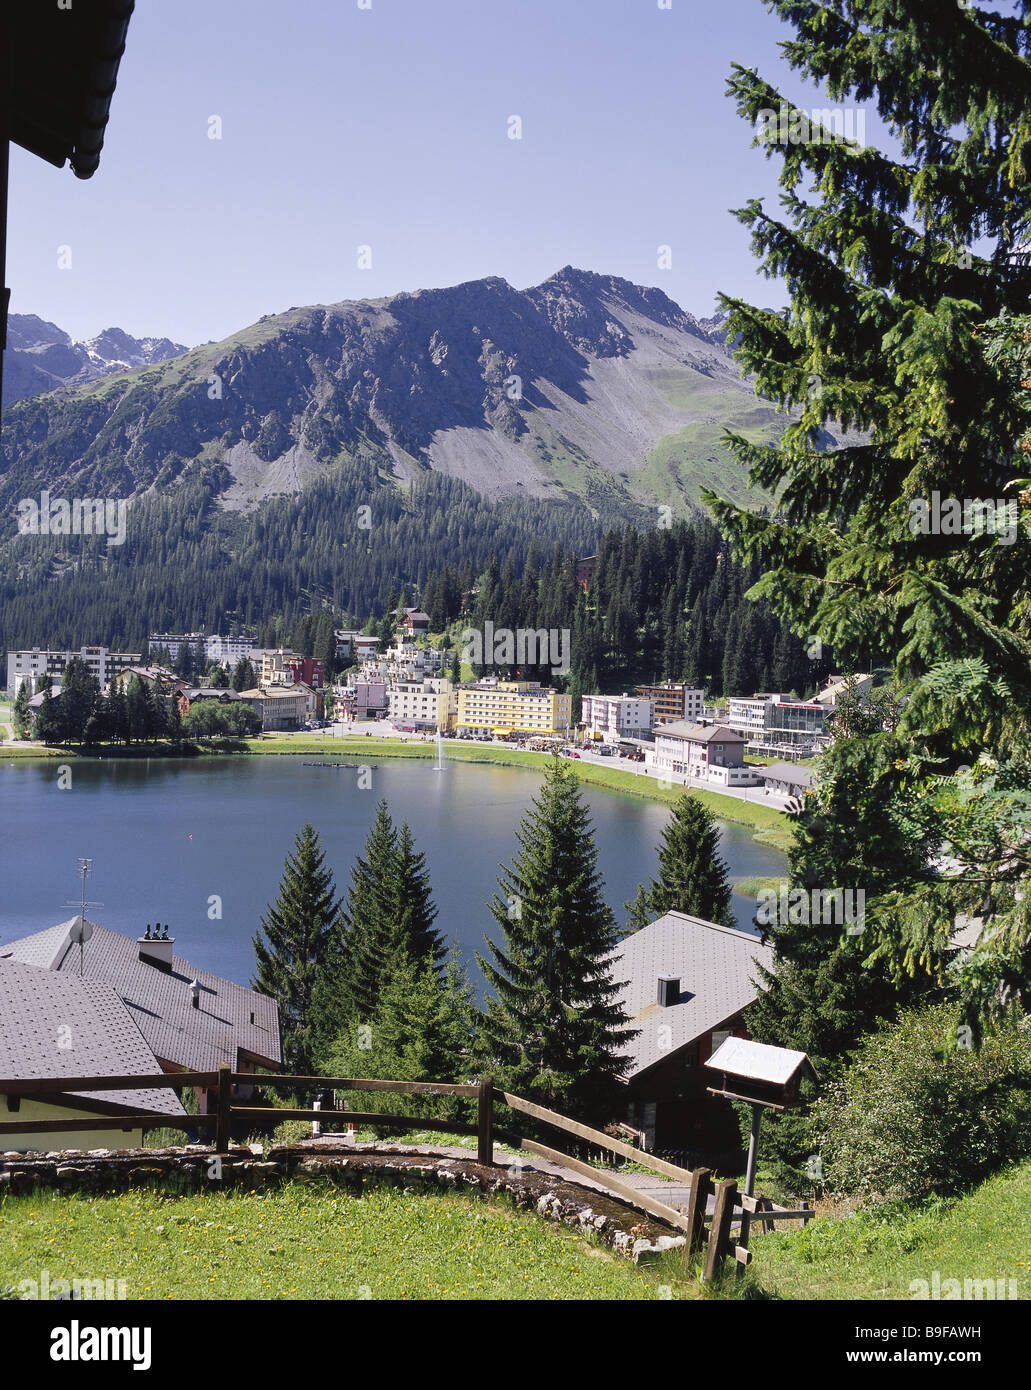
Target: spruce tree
21	713
892	331
414	912
554	1031
244	677
692	875
296	937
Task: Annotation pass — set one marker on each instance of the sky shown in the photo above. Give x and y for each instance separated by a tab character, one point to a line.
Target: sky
386	125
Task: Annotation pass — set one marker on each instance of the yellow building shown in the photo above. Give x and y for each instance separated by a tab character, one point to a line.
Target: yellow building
518	707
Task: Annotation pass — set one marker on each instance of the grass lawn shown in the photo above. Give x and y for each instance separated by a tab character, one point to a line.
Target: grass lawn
305	1241
879	1252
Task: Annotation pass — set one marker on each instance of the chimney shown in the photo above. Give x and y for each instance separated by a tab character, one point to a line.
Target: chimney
156	947
669	991
195	993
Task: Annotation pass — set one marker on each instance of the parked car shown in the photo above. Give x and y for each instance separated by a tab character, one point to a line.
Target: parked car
574	755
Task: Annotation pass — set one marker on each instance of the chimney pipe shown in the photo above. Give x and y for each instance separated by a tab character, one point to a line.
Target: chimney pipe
669	991
195	992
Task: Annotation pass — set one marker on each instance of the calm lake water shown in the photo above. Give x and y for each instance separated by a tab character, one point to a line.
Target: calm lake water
166	836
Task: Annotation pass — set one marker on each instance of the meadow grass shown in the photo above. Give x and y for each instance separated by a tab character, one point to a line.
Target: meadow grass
313	1241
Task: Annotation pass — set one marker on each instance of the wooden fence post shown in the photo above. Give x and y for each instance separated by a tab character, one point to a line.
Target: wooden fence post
719	1235
697	1203
222	1112
485	1122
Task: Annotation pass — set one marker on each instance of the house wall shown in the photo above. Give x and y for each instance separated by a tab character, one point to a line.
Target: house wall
671	1103
85	1139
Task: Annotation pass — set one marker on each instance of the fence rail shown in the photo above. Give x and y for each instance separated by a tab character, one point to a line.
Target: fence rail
730	1207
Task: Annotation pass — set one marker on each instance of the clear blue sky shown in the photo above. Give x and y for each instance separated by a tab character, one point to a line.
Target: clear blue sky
387	127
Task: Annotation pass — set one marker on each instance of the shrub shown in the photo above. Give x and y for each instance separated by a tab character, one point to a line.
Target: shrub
913	1114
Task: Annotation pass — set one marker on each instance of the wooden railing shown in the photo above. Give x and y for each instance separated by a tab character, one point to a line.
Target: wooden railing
715	1233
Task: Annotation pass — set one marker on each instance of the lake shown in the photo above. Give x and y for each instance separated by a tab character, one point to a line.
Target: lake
166	836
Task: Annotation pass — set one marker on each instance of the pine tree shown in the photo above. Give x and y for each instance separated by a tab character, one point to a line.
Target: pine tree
244	676
297	937
413	909
21	712
692	876
554	1031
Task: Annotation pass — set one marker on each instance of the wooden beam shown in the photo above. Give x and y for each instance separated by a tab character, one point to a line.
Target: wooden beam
485	1122
623	1190
353	1083
22	1086
148	1121
697	1204
595	1136
371	1118
719	1233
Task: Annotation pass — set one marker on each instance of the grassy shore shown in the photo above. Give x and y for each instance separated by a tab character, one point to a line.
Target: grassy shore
313	1242
769	827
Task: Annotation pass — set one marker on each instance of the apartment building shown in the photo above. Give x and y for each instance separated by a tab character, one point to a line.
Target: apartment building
352	645
616	716
37	663
278	707
426	704
507	707
673	702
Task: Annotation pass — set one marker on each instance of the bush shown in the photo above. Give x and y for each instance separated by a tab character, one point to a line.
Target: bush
912	1114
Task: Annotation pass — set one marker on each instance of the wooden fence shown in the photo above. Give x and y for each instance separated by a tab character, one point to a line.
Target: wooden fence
695	1223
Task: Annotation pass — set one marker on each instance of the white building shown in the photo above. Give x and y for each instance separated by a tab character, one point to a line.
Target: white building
229	649
427	704
37	663
616	716
708	753
774	723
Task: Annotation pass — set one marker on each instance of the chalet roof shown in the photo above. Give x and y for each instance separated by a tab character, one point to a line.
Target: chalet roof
231	1020
62	71
786	772
700	733
716	967
36	1003
759	1061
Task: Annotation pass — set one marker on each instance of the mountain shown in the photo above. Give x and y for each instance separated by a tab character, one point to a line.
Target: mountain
41	357
584	387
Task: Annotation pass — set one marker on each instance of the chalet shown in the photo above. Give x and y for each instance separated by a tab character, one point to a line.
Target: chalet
189	695
413	620
684	984
190	1019
54	1025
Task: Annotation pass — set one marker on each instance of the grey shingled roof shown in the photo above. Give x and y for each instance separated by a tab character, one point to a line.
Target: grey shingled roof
786	772
715	966
38	1005
160	1001
701	733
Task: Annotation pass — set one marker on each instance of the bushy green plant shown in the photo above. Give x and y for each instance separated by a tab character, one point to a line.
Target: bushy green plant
916	1112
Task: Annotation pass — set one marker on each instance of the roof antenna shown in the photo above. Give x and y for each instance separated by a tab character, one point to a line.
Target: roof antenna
83	930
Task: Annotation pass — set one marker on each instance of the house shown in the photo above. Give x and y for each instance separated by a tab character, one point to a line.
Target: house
684	984
190	694
785	779
413	620
837	685
371	699
706	752
355	646
54	1025
279	707
190	1019
160	679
